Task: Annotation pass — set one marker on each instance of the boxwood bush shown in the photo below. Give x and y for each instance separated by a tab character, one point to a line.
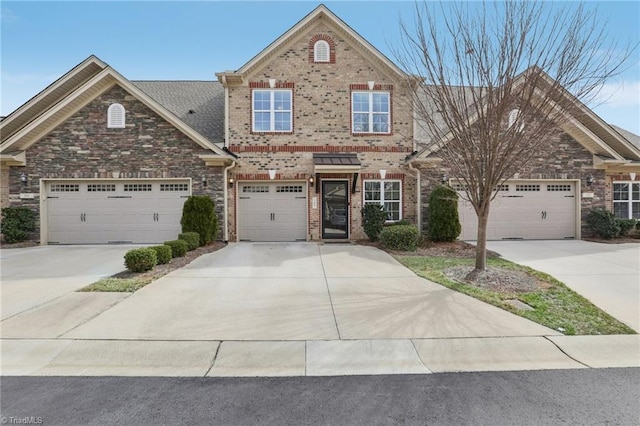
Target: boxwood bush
400	237
603	223
199	215
192	239
178	247
626	225
163	253
140	259
17	224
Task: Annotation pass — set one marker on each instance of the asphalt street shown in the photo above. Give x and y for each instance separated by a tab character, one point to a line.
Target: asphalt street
584	397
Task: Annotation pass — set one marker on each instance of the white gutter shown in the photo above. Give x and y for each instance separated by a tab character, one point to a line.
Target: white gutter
418	198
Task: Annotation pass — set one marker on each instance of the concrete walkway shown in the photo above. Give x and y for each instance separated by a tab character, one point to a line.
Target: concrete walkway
606	274
290	309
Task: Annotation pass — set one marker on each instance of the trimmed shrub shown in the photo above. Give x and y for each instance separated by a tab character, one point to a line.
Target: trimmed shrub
444	222
163	253
373	217
400	237
199	215
178	247
17	224
140	260
603	223
626	225
192	239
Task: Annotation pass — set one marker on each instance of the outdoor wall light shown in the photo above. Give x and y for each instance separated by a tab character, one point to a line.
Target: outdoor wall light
23	179
204	181
230	182
444	179
589	180
311	181
272	174
383	174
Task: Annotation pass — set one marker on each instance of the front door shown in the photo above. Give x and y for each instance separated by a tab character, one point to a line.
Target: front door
335	209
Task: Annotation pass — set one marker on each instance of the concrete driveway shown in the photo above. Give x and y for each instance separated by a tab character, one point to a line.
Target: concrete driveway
35	275
606	274
300	291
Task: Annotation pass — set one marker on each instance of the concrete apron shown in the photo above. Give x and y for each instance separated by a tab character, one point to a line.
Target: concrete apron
290	309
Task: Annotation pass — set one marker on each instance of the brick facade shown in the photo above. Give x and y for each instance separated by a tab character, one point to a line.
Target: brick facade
321	121
83	147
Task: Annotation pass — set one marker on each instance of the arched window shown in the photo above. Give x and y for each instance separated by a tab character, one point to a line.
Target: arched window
321	51
514	115
115	116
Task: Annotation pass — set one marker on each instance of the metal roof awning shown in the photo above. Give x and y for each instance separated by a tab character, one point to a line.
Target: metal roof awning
336	163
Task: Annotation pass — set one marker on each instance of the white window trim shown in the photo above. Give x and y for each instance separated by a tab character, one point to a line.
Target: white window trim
115	124
272	111
382	200
630	202
316	57
371	113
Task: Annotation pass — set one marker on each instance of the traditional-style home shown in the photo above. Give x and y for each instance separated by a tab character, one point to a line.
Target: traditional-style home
290	147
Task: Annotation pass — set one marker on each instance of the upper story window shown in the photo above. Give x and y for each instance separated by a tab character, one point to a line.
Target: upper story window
272	110
626	200
371	112
321	51
514	115
116	116
386	193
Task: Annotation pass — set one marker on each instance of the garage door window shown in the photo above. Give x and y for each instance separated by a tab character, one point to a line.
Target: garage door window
63	187
626	200
386	193
173	187
101	187
137	187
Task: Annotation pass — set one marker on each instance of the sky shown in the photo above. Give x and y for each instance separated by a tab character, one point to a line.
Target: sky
192	40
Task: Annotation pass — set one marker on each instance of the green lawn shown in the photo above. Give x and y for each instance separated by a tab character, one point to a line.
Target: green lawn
124	285
556	307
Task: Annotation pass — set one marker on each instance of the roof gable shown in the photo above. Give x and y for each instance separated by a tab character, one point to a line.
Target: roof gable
320	13
55	104
585	126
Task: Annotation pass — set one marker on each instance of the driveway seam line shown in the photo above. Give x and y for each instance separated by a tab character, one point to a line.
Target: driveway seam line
419	356
565	353
326	282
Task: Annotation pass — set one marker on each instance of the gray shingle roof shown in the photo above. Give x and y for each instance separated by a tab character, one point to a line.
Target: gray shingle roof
631	137
205	100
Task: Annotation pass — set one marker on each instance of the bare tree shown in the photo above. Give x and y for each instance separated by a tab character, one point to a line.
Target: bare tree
494	80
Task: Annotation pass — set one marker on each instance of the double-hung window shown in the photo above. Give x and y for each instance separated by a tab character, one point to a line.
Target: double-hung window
386	193
626	200
371	112
272	110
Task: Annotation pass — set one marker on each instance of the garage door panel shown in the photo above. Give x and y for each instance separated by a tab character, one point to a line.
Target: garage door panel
272	211
100	212
527	210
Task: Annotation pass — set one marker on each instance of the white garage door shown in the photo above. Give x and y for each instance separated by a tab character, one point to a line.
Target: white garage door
526	210
272	212
102	212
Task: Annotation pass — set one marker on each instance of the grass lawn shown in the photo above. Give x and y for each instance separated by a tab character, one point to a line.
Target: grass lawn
554	306
123	285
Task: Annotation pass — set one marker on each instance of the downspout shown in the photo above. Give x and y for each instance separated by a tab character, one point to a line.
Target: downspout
233	162
418	198
226	200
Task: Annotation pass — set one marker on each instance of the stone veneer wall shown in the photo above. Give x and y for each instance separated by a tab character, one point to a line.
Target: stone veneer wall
83	147
322	122
560	157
